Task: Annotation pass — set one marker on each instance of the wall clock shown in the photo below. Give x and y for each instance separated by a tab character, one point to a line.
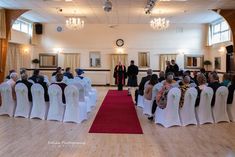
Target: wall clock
59	29
120	42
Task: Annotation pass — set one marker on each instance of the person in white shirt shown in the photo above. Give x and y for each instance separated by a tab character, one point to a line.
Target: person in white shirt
12	83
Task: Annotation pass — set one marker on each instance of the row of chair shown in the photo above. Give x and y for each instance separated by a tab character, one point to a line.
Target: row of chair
173	115
79	101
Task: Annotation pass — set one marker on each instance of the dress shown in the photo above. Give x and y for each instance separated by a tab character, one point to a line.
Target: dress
120	76
132	73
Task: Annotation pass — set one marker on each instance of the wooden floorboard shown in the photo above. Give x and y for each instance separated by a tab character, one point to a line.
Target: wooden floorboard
20	137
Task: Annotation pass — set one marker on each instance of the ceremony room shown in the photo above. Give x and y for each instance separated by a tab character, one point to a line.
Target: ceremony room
117	78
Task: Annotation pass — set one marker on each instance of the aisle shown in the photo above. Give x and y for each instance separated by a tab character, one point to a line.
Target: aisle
117	114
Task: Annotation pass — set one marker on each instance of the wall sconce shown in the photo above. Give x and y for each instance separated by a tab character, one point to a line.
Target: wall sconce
120	50
26	50
57	50
222	49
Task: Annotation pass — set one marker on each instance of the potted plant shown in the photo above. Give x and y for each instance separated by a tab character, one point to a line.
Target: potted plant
207	63
35	61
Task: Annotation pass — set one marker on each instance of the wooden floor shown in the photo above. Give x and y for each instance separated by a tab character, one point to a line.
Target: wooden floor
20	137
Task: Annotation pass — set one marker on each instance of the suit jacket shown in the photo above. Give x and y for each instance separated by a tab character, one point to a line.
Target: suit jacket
214	86
142	83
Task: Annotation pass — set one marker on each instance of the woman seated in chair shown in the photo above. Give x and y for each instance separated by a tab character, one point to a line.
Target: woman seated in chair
149	87
162	94
184	85
201	79
12	83
59	78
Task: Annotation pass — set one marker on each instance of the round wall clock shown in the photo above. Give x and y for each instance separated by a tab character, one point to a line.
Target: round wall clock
59	29
120	42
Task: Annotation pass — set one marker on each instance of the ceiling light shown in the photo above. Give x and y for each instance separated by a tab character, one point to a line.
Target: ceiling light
74	23
159	23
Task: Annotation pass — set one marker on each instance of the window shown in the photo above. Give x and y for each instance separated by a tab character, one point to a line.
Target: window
219	32
22	26
95	59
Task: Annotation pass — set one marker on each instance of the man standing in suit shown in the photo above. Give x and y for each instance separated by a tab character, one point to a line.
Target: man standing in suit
140	91
175	67
132	73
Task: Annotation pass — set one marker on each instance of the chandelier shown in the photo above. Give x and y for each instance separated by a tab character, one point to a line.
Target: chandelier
159	23
74	23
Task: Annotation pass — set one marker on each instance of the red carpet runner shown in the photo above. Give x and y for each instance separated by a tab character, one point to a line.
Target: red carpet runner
117	115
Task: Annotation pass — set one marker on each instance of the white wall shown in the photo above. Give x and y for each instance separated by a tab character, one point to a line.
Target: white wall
190	38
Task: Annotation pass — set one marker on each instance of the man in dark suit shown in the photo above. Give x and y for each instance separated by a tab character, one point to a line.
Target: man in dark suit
140	91
175	67
132	72
67	73
214	84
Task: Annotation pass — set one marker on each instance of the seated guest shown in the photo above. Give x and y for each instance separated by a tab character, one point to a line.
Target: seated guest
188	73
79	73
231	89
22	70
36	77
169	67
203	71
226	80
184	85
161	76
58	70
161	98
149	87
8	76
12	83
195	77
140	91
201	79
59	78
24	80
67	73
214	84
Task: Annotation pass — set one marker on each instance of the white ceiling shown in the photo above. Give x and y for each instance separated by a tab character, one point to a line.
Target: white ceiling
124	11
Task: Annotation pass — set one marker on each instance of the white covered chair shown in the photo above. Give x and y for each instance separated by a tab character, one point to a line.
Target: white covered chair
56	107
170	115
204	111
46	79
156	88
231	110
75	111
187	112
23	106
8	103
53	79
82	97
40	106
220	108
140	101
147	107
91	92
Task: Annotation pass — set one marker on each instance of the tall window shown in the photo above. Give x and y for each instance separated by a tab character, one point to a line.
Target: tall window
220	32
22	26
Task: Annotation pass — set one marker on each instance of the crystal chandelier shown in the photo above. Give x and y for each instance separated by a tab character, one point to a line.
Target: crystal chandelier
159	23
74	23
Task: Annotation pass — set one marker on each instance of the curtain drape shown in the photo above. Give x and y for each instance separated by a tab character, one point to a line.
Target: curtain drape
164	58
144	59
72	60
115	58
17	58
2	24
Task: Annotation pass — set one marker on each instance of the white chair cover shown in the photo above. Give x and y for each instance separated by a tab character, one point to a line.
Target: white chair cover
231	110
91	92
187	112
65	79
220	108
140	101
82	97
56	107
204	111
46	79
40	107
31	81
23	106
170	115
75	111
8	104
147	107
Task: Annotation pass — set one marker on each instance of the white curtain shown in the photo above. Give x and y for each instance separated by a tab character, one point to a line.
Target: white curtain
115	58
2	24
164	58
17	58
144	59
72	60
